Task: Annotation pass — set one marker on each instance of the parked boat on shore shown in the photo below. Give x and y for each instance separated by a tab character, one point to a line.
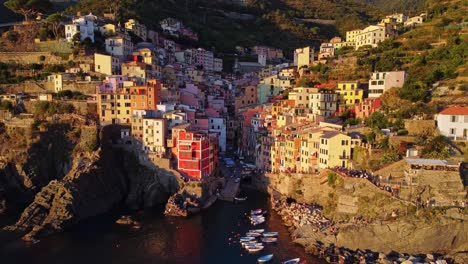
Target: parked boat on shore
269	239
254	249
257	230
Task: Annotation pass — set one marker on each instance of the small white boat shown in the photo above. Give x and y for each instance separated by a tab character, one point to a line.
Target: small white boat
254	249
292	261
246	239
252	234
256	211
270	234
269	239
257	230
240	199
251	244
257	218
265	258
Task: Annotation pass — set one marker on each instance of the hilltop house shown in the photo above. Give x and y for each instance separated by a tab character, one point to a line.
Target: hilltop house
453	122
85	25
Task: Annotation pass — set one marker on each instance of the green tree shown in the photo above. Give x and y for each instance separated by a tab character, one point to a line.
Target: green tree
436	148
377	120
55	22
29	8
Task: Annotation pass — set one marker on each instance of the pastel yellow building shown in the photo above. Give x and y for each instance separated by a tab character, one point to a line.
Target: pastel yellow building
292	144
334	150
350	93
303	57
114	108
106	64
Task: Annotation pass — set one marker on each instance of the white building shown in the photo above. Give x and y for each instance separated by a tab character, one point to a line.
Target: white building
400	18
171	26
370	36
217	65
85	25
154	135
119	46
327	50
218	125
380	82
414	21
57	80
453	122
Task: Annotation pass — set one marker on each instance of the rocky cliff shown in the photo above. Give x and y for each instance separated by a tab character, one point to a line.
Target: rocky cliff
97	180
346	199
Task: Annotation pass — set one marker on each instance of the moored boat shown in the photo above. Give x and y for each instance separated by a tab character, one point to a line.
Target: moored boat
257	230
269	239
265	258
251	244
292	261
254	248
270	234
256	211
246	239
252	234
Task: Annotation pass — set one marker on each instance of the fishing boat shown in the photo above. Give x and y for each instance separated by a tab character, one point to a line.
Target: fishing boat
240	199
252	234
246	239
257	230
256	211
254	248
251	244
292	261
265	258
257	218
270	234
269	239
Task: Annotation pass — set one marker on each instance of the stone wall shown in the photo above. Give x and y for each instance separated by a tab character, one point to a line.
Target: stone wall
30	57
32	87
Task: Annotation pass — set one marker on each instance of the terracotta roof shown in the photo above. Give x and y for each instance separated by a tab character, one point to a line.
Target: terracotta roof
456	110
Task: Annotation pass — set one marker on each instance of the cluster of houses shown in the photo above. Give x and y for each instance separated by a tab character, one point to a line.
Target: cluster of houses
176	103
372	35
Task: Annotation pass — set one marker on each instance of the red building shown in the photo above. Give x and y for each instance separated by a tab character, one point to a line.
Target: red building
197	153
365	108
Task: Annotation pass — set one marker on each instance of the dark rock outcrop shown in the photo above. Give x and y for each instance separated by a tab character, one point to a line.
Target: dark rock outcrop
97	182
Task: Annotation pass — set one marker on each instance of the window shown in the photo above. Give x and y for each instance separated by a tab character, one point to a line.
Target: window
453	119
453	131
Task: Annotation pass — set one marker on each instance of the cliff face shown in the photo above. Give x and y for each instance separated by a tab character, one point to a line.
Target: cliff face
412	232
97	181
445	235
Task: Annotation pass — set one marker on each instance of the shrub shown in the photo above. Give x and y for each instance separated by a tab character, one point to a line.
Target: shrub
331	178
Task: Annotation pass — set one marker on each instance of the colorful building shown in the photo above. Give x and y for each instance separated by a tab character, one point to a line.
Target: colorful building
350	93
197	154
334	150
303	57
114	107
380	82
146	97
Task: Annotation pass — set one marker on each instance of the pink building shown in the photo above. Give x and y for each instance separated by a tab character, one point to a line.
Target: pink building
112	83
367	107
190	95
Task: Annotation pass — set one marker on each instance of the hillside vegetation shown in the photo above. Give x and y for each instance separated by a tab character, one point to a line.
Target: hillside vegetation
279	23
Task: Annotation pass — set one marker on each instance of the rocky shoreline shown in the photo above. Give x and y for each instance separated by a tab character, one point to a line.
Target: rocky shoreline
296	216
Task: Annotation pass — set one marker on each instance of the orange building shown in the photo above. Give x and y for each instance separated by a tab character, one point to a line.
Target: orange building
146	97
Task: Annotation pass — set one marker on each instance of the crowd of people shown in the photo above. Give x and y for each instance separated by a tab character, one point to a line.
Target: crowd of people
297	215
376	180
